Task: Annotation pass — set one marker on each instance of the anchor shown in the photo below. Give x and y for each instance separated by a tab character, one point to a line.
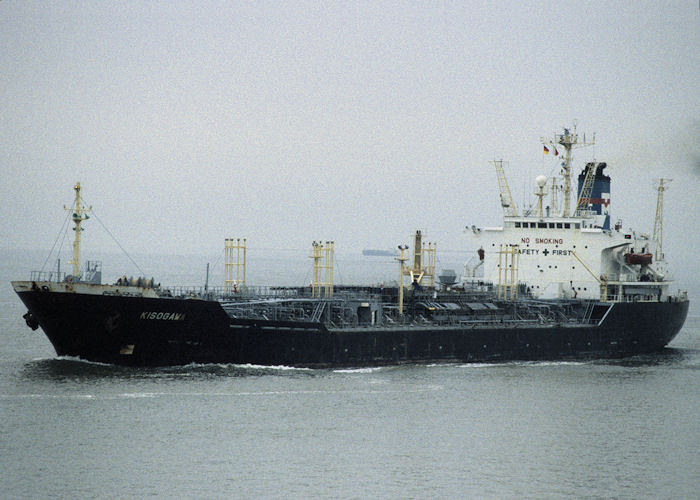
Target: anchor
31	320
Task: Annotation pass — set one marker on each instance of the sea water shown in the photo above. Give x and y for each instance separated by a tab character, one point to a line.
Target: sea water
597	429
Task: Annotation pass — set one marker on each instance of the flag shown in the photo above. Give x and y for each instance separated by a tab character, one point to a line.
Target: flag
546	150
556	153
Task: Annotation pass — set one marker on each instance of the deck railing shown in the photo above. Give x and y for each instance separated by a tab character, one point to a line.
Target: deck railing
54	276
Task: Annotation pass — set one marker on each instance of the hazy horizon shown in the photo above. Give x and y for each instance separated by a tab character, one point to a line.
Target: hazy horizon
284	123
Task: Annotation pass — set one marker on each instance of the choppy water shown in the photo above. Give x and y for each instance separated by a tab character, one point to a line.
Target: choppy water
597	429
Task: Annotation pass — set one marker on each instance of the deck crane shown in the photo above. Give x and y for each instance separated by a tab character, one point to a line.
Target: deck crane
509	208
584	197
658	220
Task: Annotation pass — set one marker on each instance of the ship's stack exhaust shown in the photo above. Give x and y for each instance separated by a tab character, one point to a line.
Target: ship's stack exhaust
596	197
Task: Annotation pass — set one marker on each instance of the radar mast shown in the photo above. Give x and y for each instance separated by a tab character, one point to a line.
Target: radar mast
568	140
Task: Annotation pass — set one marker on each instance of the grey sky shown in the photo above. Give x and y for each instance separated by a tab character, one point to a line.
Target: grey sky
285	122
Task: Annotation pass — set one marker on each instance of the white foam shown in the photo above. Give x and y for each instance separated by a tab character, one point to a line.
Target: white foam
555	363
479	365
247	366
80	360
137	395
520	363
358	370
47	396
272	367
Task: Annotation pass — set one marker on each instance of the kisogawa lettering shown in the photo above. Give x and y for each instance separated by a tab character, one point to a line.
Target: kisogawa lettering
169	316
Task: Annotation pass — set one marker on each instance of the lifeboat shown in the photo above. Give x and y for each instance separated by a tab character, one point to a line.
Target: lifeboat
640	259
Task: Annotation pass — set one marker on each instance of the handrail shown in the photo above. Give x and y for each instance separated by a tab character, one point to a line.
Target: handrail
54	276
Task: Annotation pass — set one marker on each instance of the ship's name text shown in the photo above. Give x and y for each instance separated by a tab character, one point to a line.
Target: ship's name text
162	315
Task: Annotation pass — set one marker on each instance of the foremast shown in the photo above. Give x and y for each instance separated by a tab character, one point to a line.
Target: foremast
78	216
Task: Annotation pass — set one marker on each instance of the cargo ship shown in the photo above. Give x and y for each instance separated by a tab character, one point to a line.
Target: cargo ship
555	281
373	252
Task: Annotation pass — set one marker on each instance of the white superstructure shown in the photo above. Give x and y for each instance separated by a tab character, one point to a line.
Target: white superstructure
571	256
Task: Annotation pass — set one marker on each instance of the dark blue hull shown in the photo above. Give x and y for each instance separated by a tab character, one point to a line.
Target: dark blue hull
159	332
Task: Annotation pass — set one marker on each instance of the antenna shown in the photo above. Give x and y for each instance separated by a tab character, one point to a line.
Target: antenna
541	182
402	261
555	198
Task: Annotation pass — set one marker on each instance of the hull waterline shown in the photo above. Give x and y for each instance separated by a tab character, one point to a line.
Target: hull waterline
158	332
